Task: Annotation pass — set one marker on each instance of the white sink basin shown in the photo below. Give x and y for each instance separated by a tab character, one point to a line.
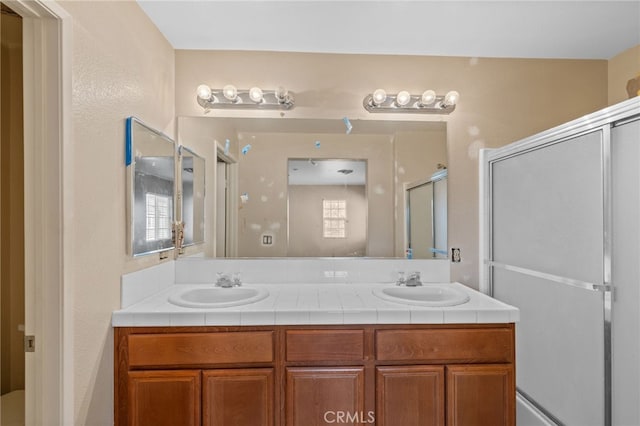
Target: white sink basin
425	295
218	297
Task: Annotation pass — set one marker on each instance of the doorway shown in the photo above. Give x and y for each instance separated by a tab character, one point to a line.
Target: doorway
12	241
221	208
225	185
46	92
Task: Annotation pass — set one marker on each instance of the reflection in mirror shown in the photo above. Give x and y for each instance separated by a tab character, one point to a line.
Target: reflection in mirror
427	217
192	176
327	207
395	152
150	160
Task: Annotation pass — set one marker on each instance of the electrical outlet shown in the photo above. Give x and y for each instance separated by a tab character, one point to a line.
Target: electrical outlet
456	257
267	240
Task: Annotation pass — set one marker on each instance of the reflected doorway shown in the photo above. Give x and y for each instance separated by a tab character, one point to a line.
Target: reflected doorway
12	240
223	204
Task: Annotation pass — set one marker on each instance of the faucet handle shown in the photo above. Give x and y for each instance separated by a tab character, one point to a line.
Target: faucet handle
237	282
401	279
414	279
223	280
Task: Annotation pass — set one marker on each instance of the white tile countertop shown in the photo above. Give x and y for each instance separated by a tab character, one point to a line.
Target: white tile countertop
312	303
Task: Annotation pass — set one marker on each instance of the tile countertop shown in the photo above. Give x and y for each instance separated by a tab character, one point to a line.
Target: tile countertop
303	304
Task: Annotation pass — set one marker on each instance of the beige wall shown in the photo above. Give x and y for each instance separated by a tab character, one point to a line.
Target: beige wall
622	68
12	202
122	66
502	100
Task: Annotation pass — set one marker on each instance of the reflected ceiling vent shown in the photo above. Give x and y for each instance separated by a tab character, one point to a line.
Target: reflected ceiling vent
255	98
404	102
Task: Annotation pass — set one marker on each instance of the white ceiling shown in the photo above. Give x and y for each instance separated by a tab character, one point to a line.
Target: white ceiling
313	171
520	29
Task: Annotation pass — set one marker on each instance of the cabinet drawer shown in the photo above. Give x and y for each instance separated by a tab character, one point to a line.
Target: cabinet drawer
149	350
446	345
325	345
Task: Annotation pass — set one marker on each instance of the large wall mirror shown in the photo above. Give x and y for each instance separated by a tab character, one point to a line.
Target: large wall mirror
150	161
269	207
157	198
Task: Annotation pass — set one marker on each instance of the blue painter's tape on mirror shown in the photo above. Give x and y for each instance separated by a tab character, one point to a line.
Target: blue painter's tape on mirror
128	142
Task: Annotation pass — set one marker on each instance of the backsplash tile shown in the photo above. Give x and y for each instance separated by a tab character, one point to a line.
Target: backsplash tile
139	285
310	270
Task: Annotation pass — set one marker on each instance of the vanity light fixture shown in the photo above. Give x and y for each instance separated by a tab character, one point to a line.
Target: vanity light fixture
255	98
404	102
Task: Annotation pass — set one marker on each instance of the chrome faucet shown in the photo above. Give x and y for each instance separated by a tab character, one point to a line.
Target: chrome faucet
226	281
413	280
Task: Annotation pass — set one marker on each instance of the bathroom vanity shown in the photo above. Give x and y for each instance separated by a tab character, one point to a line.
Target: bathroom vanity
311	352
454	374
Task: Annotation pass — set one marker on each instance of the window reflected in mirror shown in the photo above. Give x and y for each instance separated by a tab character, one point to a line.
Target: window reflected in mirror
150	160
327	207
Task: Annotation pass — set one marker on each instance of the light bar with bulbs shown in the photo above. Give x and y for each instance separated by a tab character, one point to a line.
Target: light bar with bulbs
404	102
254	98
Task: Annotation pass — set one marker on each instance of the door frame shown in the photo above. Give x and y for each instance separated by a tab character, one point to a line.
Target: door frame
231	175
47	30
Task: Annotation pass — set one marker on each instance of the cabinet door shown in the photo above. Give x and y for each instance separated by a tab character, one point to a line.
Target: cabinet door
242	397
164	398
480	395
320	396
410	396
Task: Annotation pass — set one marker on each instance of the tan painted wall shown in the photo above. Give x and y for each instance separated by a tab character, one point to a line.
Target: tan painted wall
12	202
502	100
122	66
622	68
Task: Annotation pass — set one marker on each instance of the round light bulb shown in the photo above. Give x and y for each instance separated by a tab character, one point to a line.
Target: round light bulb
428	97
230	92
403	98
379	96
281	93
255	93
204	92
451	98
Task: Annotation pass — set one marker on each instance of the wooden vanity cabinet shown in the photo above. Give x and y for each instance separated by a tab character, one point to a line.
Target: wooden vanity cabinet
410	395
388	375
195	376
325	375
235	397
164	398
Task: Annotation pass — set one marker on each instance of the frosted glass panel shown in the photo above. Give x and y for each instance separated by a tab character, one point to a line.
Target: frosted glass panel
547	209
625	154
559	345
